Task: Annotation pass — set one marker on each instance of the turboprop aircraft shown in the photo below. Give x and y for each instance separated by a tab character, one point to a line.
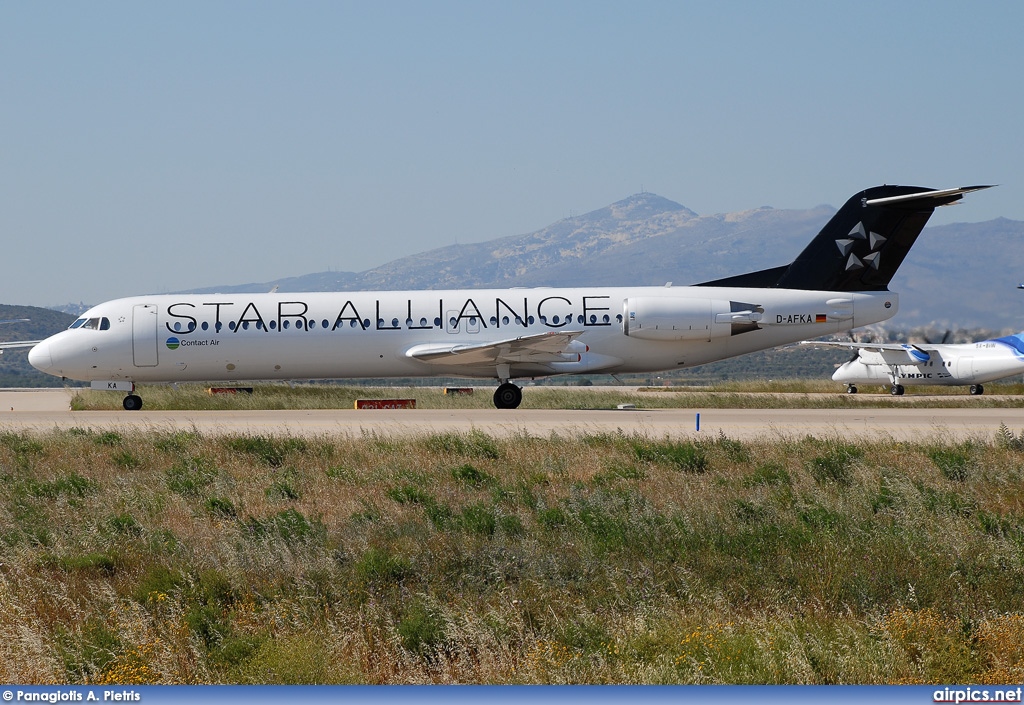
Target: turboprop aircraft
949	365
839	281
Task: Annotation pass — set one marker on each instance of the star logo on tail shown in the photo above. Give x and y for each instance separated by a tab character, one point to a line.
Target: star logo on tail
859	234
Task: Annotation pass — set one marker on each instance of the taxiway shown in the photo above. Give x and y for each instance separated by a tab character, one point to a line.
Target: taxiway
39	411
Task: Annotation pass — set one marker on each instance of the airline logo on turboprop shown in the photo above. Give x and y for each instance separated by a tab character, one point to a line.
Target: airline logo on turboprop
554	311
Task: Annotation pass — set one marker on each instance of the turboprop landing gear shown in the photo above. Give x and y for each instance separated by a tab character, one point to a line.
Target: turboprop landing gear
896	389
977	389
132	402
508	396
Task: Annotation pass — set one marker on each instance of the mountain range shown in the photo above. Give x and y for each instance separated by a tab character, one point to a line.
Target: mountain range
961	275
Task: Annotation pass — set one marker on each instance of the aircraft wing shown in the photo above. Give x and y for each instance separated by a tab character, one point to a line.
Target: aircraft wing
915	354
851	345
18	344
542	347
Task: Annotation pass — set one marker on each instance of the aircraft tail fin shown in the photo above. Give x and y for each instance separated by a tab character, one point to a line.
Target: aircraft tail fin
863	244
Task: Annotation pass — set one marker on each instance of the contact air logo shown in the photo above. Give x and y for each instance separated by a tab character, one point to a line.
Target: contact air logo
173	343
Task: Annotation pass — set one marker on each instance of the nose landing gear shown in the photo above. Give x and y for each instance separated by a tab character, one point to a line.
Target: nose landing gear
132	402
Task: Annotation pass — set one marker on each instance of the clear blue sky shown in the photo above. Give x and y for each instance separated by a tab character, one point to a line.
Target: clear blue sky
152	147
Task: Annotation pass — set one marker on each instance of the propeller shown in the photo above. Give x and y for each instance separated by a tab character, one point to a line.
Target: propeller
945	338
866	337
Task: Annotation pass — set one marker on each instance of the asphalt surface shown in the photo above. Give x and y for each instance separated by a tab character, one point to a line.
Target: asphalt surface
40	411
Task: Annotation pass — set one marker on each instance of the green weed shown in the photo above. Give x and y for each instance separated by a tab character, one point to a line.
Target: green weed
954	463
836	465
190	476
681	455
269	450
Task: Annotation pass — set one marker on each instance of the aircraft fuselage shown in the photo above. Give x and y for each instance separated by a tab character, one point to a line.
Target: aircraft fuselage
222	338
947	365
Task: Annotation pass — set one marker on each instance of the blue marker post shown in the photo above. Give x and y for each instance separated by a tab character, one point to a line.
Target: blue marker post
698	420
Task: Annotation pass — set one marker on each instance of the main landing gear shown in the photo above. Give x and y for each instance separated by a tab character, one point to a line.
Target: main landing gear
132	402
896	389
508	396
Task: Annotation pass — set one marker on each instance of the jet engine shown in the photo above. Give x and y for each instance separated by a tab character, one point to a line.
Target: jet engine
675	318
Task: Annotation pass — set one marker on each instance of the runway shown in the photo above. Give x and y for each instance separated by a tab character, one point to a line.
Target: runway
40	411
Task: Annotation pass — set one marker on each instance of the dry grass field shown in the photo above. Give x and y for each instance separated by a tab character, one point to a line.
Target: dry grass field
464	558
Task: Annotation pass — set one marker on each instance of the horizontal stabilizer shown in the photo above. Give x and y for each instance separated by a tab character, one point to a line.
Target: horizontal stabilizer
929	199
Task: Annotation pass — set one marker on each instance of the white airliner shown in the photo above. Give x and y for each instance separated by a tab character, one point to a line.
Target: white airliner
839	281
901	365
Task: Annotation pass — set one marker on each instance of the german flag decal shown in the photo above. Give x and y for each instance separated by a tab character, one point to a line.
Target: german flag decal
820	317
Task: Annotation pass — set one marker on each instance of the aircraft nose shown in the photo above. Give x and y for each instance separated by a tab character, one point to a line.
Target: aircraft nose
39	356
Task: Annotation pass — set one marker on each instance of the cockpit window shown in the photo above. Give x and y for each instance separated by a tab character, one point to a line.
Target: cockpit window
92	323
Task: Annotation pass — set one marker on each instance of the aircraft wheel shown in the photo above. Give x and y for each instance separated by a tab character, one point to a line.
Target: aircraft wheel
508	396
896	390
977	389
132	402
851	389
